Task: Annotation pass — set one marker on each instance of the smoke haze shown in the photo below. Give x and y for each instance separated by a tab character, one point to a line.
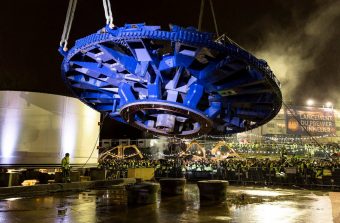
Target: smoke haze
305	55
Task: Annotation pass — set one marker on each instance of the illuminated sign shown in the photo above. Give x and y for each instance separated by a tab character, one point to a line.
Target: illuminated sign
317	121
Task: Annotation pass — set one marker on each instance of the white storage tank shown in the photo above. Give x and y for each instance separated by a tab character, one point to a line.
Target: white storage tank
39	128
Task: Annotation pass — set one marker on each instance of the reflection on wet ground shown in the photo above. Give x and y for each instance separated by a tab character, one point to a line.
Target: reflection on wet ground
244	204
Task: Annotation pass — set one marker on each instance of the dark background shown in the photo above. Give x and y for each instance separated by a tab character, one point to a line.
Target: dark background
299	39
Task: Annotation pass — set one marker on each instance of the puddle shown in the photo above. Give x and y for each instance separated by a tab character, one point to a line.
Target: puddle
243	204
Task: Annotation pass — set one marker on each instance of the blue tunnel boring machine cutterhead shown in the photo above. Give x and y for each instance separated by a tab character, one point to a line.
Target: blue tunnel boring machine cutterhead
177	82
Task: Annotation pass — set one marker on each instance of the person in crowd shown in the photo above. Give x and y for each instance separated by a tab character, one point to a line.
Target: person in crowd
256	169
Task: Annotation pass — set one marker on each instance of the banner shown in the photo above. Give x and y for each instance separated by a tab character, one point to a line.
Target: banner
317	121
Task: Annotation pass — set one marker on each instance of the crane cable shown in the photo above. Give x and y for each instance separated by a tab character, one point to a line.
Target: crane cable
68	23
69	19
213	15
214	18
108	13
201	15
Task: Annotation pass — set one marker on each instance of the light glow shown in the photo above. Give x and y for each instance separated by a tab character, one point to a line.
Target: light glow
10	128
265	193
13	198
310	102
153	142
278	213
68	134
328	104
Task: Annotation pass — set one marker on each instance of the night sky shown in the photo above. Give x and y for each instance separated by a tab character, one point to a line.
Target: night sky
300	40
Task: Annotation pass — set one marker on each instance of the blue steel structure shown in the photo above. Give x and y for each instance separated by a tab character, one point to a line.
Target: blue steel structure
176	82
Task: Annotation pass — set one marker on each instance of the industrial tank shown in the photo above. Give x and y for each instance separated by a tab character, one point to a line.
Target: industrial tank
38	129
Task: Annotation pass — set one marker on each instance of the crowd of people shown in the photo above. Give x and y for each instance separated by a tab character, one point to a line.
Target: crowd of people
265	171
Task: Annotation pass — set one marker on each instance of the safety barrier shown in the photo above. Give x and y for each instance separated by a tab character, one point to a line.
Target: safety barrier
290	176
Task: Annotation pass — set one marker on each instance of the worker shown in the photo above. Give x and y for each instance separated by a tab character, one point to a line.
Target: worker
65	165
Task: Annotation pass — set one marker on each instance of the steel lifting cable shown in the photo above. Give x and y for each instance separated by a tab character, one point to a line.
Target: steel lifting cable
214	18
70	15
201	15
108	13
68	23
213	15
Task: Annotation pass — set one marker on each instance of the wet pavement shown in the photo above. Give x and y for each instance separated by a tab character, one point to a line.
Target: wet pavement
244	204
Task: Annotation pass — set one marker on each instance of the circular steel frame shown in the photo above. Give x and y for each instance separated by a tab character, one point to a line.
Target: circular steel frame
128	112
220	84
